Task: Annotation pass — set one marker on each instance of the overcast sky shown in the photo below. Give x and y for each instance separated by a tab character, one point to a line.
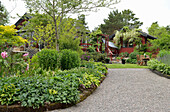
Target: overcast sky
148	11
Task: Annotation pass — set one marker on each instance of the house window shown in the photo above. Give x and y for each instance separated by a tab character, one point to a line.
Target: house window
130	44
125	43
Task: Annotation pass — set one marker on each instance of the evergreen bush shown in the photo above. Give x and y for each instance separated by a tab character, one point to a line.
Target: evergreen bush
48	59
69	59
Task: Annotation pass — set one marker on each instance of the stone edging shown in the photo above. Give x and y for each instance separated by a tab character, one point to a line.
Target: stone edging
160	74
18	108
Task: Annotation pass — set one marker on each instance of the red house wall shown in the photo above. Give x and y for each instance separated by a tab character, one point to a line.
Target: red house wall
131	49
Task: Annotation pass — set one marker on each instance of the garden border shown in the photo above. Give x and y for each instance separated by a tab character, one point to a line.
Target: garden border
47	107
160	74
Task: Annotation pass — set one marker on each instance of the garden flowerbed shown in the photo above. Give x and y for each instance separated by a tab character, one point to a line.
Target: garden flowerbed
52	80
85	92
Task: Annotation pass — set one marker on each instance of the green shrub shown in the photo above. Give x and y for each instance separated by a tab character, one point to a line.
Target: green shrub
124	54
133	55
69	59
48	59
154	64
34	62
98	57
132	61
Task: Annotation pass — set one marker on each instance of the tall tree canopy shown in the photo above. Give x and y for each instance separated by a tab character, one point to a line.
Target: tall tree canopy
58	9
163	35
118	20
82	18
3	15
43	28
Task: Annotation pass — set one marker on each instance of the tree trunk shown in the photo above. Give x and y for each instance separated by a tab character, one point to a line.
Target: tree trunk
56	35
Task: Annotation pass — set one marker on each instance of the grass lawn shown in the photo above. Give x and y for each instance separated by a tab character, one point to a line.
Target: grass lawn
125	66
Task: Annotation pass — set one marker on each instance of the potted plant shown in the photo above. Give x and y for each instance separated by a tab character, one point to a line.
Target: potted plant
123	60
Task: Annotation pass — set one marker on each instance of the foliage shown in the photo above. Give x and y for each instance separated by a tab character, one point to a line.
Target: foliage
133	55
127	34
96	56
124	54
3	15
7	94
118	58
163	35
154	64
70	35
69	59
58	9
149	54
45	87
12	65
44	35
8	36
164	56
132	61
82	18
37	90
118	20
48	59
86	57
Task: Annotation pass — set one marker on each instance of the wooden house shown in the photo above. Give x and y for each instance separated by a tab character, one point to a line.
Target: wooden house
129	47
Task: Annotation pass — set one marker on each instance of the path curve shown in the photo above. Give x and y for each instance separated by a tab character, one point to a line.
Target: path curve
127	90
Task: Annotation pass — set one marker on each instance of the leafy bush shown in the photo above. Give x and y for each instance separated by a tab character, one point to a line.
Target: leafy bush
124	54
154	64
48	59
69	59
133	55
98	57
132	61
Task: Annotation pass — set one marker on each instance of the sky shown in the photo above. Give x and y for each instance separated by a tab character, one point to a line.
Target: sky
148	11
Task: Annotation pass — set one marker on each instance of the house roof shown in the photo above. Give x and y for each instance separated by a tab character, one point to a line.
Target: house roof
24	17
147	35
142	33
111	44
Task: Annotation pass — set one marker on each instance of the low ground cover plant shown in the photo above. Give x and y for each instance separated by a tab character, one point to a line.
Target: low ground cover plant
154	64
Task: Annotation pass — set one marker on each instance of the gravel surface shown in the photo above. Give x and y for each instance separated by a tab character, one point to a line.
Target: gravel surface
127	90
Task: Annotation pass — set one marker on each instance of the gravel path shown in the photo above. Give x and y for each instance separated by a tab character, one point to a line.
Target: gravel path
128	90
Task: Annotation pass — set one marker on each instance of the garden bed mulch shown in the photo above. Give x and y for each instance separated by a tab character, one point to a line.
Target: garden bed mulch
160	74
18	108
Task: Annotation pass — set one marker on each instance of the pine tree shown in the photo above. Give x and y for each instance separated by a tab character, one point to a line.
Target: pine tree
118	20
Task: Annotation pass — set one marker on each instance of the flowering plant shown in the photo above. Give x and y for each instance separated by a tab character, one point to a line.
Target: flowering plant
12	65
4	54
26	56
